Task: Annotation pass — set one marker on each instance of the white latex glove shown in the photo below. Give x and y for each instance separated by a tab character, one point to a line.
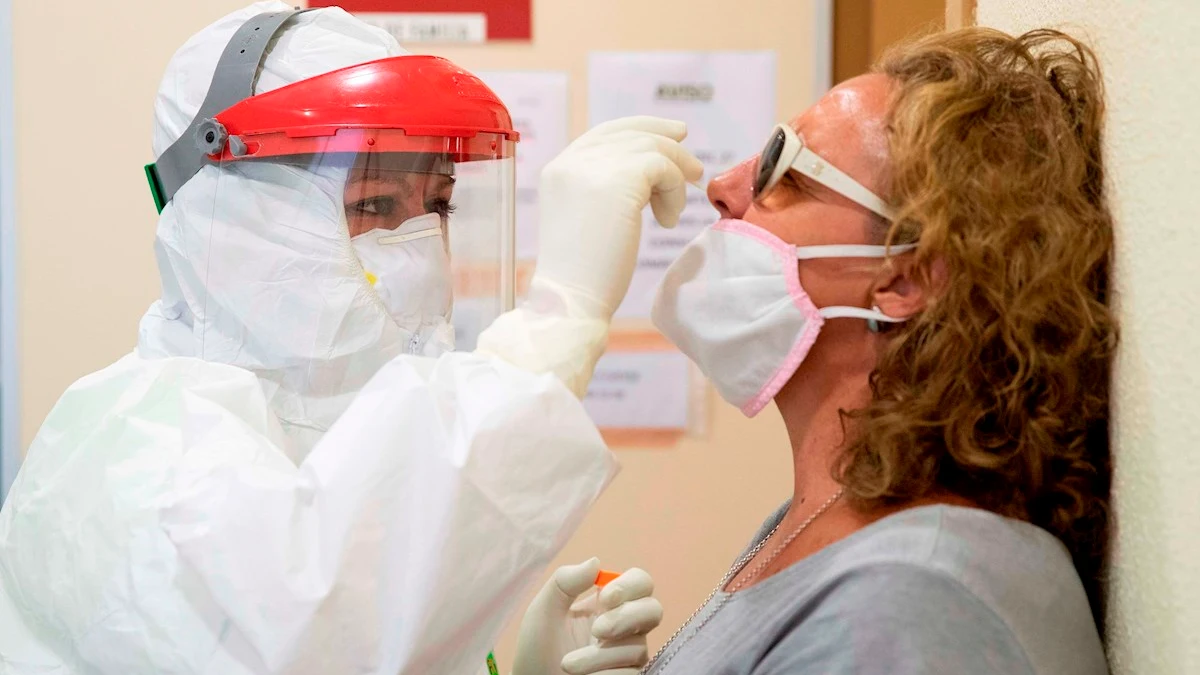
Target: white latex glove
592	196
558	635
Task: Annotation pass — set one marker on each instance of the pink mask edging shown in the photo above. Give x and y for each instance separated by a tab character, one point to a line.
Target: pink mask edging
813	318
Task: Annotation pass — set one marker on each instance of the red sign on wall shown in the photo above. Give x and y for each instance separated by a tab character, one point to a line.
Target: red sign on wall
506	19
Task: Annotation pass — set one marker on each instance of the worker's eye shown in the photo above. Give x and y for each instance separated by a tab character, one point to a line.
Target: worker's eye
373	206
440	206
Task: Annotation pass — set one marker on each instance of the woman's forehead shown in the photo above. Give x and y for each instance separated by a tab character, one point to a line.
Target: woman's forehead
848	125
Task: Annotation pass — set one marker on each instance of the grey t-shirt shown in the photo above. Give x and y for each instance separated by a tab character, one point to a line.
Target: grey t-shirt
936	589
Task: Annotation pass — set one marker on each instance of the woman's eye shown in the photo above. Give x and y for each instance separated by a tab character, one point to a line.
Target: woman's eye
375	206
442	207
795	186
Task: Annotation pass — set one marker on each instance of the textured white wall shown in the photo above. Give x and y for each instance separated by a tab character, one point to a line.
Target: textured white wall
1152	68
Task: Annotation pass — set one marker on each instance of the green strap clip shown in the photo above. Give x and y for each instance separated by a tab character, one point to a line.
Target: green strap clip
491	663
156	190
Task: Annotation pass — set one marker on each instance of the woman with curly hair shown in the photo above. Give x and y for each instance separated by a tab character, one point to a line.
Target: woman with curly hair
915	271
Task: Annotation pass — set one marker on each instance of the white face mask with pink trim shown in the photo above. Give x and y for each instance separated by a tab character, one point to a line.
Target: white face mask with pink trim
733	303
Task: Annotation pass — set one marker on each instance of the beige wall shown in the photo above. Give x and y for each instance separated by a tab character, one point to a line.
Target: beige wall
1149	52
85	79
84	85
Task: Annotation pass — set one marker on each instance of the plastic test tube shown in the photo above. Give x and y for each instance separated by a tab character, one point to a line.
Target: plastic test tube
605	577
602	580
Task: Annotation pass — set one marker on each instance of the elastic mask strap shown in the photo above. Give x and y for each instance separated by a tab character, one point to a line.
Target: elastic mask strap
872	316
233	82
851	251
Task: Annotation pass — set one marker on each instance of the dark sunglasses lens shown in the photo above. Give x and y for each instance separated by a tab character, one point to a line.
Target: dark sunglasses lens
768	160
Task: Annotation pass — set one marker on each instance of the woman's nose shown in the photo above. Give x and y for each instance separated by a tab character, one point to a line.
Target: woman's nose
731	192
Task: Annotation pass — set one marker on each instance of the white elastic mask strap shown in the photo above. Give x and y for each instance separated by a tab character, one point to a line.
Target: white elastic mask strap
850	251
872	316
839	312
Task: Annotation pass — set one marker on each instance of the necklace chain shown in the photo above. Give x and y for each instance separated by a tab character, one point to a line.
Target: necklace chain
729	576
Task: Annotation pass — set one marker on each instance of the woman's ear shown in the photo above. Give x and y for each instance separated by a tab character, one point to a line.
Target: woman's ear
898	293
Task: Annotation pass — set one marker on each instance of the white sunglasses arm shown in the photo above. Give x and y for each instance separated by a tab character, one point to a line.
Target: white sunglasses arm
810	164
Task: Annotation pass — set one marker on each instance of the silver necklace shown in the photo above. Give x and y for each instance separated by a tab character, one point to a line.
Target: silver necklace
730	575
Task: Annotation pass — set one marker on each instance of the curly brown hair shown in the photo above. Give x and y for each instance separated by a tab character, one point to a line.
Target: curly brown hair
999	390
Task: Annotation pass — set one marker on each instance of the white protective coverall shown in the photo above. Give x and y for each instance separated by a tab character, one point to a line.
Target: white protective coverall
305	498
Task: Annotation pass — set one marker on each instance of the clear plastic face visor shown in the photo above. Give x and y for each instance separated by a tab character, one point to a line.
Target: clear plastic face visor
420	226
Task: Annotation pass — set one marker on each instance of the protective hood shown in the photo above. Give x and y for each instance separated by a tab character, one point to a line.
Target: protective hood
265	278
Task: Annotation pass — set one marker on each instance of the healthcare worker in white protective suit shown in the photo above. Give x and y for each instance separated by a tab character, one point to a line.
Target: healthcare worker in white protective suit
294	473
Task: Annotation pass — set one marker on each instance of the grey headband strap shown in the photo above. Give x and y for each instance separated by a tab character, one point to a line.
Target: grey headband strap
233	82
